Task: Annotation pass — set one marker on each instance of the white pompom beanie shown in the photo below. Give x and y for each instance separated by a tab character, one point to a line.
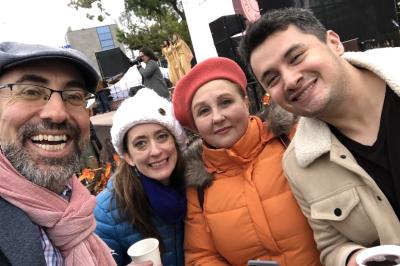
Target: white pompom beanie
145	107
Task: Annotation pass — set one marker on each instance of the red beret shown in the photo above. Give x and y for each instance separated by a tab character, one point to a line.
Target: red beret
208	70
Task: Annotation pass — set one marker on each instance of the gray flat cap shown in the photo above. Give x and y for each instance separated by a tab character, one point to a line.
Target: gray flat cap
14	53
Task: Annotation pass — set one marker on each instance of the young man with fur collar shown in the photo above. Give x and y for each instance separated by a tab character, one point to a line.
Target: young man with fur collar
342	164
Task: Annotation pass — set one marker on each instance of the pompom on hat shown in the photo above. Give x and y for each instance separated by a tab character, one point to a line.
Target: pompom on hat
145	107
208	70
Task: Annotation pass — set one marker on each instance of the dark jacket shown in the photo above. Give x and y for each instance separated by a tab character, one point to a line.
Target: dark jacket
153	78
120	235
19	238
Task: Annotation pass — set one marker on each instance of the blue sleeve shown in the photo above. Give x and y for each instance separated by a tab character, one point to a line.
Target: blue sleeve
106	227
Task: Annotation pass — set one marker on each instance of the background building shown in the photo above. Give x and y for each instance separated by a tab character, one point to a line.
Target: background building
93	40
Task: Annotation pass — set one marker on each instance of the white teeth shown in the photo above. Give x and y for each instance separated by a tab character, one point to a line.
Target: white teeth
47	147
303	94
158	164
50	138
41	137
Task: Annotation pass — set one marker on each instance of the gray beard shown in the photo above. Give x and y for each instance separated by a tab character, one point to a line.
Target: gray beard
50	173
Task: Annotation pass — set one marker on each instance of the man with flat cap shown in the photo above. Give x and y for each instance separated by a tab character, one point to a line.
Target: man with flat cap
46	215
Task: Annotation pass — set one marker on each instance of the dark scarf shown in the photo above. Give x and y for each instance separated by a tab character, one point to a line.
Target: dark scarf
168	202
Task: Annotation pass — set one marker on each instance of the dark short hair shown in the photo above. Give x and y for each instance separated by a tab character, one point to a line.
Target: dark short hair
279	20
148	52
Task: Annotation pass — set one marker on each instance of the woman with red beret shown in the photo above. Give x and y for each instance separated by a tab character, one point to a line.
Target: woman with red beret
240	206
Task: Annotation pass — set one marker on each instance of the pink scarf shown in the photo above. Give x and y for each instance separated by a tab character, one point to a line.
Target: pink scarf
69	225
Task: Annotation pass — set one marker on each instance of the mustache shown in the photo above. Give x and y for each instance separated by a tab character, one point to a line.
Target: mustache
33	128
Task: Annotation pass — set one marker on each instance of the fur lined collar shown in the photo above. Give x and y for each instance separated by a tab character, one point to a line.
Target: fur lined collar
313	136
196	173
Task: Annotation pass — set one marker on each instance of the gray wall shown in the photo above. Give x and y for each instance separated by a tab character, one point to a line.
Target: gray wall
87	41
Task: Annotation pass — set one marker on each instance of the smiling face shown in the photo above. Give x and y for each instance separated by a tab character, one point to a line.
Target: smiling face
43	140
220	113
302	74
152	150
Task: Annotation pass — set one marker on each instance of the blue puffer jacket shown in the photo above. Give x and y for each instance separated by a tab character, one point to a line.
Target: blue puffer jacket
120	235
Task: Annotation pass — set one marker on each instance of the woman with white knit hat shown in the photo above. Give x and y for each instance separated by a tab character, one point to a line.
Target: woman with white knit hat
146	196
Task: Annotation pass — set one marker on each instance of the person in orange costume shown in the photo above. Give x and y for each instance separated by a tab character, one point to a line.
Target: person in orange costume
170	54
184	53
248	210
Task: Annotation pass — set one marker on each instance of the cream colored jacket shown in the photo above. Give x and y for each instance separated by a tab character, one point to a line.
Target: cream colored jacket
344	206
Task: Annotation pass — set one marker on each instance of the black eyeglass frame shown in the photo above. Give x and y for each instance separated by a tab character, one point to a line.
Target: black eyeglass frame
88	95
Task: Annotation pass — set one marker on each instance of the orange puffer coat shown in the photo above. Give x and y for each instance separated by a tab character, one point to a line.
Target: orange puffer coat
249	210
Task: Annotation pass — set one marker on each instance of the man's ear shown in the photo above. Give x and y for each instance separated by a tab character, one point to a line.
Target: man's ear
333	41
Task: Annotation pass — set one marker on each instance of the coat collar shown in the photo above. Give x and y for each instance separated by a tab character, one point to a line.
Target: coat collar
198	175
195	172
241	153
277	122
313	137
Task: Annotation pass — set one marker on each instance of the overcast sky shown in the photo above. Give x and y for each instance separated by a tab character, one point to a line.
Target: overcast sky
47	21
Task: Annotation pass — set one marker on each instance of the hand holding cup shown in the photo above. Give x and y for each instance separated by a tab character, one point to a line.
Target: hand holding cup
385	255
145	253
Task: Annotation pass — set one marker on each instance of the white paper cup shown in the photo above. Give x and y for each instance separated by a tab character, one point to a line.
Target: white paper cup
378	253
145	250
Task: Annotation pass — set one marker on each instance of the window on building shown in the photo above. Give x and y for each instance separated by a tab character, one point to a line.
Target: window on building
105	37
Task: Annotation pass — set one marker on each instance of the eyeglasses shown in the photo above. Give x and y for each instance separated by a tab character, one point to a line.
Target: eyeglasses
36	93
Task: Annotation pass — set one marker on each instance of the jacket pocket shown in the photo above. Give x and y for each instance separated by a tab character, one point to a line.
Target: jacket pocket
345	212
335	208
